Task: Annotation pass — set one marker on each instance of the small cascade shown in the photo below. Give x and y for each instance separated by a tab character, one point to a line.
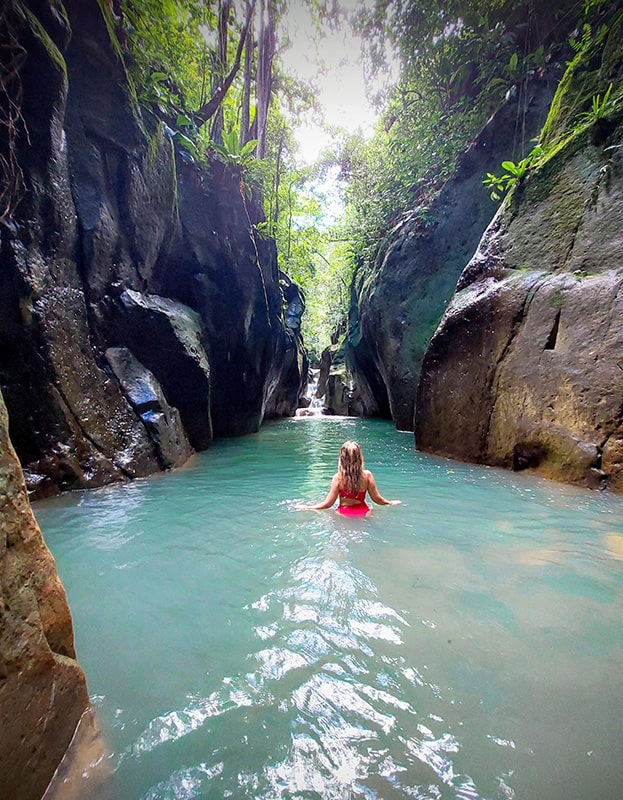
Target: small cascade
316	404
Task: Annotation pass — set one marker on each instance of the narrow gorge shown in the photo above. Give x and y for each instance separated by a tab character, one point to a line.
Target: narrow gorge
143	313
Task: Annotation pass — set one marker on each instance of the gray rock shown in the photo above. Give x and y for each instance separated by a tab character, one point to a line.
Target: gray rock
107	206
399	302
162	421
166	336
525	369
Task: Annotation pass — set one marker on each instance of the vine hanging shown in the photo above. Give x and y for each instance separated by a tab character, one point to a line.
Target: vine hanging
12	123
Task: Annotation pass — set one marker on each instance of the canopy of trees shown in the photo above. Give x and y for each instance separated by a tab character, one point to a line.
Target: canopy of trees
212	73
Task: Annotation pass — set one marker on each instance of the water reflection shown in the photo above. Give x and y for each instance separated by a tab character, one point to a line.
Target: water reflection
352	725
466	644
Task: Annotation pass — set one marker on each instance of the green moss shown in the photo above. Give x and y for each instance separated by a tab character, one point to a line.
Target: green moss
153	146
597	64
546	177
556	300
558	108
176	195
579	83
118	51
612	58
44	37
110	27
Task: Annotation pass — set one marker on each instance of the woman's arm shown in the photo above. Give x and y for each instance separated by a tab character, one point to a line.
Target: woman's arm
376	495
331	496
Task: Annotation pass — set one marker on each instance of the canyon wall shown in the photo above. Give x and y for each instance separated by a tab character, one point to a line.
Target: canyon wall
42	689
397	302
140	314
525	369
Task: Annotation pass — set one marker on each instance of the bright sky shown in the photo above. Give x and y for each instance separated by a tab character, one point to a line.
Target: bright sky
341	88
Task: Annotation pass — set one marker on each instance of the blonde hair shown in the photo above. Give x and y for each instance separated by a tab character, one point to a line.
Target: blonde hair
350	466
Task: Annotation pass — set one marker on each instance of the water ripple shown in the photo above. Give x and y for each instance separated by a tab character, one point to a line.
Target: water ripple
252	651
175	724
185	784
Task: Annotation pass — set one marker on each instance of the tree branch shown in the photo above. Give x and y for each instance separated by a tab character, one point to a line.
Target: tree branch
211	107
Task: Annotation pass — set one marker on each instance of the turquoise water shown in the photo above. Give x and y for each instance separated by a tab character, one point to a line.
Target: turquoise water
465	644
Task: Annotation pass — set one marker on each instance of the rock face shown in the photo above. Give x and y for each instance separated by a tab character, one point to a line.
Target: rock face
42	689
343	380
120	241
525	369
147	398
397	304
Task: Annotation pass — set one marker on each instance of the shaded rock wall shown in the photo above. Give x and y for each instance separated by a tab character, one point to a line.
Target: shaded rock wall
119	241
398	303
349	385
525	369
42	689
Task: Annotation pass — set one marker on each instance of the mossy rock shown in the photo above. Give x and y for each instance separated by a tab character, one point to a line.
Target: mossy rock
597	65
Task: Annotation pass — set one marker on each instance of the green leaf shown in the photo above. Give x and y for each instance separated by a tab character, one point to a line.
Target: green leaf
230	142
509	166
248	148
183	121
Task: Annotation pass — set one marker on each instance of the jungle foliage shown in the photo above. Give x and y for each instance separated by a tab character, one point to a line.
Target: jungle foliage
212	72
455	67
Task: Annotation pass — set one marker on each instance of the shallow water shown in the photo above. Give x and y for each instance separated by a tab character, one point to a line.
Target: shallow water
466	644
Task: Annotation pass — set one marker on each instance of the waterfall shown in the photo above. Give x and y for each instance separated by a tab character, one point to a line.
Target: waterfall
315	407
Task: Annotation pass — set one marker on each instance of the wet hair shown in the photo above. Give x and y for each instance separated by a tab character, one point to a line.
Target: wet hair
350	466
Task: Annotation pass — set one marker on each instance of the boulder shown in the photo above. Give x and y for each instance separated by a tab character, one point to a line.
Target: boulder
166	336
162	421
400	300
345	390
525	368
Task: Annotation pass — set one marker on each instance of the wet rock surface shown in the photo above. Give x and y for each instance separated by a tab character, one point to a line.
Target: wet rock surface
109	207
525	368
43	692
162	421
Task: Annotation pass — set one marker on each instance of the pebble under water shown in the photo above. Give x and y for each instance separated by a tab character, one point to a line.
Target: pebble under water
465	644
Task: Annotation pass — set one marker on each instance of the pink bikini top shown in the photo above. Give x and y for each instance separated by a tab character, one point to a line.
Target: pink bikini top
360	496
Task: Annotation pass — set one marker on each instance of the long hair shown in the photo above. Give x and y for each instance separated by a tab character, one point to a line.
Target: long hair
350	466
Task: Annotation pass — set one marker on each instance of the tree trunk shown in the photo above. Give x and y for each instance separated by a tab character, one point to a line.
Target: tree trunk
245	111
265	58
221	66
280	146
208	110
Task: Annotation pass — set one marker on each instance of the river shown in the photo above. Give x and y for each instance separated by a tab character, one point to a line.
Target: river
465	644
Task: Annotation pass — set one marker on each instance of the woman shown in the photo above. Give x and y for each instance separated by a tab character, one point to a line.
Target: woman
350	483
